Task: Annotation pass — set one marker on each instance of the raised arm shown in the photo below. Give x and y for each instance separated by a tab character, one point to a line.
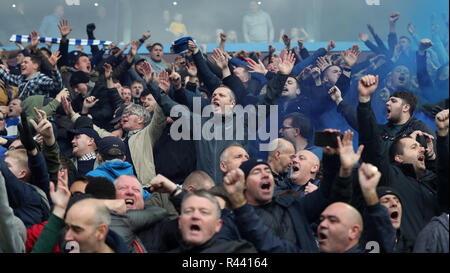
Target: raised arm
60	196
377	224
375	151
442	126
249	224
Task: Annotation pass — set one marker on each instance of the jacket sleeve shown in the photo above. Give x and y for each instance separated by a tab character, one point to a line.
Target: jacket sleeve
235	84
143	219
309	60
23	198
375	151
64	51
253	230
349	114
314	203
52	160
49	235
443	173
156	126
10	240
423	78
379	227
392	42
205	75
10	78
52	83
40	178
274	89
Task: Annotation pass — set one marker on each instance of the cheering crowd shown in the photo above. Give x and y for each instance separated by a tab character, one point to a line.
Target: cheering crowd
92	160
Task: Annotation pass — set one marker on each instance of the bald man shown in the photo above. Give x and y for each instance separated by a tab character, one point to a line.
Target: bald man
341	225
340	228
280	155
303	174
87	224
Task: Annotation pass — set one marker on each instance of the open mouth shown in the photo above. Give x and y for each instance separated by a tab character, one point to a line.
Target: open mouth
322	236
195	228
265	186
295	169
129	202
394	215
401	78
421	158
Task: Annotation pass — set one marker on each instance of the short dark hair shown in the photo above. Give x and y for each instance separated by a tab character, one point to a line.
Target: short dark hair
396	148
46	50
75	61
302	122
405	37
100	188
36	60
156	44
408	98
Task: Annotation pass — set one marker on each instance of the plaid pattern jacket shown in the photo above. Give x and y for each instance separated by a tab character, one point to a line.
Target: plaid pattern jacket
37	84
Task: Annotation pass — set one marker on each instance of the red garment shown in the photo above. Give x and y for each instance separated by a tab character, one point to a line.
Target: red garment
32	236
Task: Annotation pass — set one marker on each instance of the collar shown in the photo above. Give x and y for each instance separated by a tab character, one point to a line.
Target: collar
131	133
88	156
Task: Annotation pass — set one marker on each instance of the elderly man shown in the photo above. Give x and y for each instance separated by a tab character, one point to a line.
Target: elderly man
199	222
303	174
280	157
142	132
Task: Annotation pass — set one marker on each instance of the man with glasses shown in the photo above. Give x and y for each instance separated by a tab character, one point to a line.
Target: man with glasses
141	133
296	128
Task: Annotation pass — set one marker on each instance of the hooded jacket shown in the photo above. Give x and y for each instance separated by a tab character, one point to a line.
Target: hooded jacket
112	169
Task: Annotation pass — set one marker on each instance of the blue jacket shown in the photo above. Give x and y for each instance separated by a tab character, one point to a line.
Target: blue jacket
114	169
23	198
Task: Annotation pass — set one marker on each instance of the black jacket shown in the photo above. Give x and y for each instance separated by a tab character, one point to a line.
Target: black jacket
420	196
434	237
413	124
216	246
259	230
102	112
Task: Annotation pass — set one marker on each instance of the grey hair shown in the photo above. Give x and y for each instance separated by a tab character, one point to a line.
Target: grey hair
140	112
203	194
224	154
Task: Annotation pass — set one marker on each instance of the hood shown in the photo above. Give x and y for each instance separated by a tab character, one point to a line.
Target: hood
112	170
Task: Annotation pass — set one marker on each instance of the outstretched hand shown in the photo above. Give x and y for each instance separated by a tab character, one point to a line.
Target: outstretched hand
61	195
64	28
287	63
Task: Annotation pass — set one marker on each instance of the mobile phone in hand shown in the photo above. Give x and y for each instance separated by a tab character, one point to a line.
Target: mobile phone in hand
323	139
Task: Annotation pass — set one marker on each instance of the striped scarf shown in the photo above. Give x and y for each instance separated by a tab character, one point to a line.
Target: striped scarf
43	40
